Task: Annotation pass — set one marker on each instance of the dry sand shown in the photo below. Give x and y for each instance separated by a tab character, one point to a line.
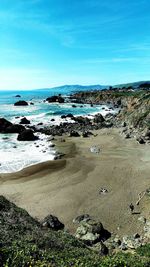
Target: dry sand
70	186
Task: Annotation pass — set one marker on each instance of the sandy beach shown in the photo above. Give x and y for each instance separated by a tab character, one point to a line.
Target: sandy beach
70	187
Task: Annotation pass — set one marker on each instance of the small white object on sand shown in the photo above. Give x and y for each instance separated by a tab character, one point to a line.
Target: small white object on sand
95	149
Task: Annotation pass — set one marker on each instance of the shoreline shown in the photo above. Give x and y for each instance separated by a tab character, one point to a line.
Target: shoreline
43	130
70	186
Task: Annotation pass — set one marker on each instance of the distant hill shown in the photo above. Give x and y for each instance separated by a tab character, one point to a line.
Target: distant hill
135	85
78	87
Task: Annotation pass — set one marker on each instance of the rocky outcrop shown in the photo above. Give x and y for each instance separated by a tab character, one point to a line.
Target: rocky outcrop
24	121
90	231
18	96
8	127
27	135
74	134
53	223
82	218
98	118
55	98
133	113
21	103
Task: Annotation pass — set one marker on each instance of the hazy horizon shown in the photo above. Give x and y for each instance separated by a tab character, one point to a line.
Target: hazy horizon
44	44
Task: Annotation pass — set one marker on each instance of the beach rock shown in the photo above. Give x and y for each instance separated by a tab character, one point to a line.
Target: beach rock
52	145
24	121
82	120
31	103
4	124
53	223
90	231
131	243
55	98
15	128
127	136
86	134
140	140
103	250
63	116
69	115
74	134
17	95
21	103
82	218
74	106
27	135
98	118
8	127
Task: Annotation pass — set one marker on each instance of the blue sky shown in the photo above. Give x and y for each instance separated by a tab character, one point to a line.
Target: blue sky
45	43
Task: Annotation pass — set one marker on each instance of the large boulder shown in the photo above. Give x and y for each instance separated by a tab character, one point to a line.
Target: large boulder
7	127
52	222
24	121
90	231
98	118
15	128
21	103
18	96
73	134
131	242
140	140
82	218
82	120
69	115
27	135
55	98
4	124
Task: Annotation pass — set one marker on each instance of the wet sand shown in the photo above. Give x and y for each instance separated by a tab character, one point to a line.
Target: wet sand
70	187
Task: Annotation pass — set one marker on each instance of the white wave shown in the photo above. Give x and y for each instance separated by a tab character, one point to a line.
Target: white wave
17	155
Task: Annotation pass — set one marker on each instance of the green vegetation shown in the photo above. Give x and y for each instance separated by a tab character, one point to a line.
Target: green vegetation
25	243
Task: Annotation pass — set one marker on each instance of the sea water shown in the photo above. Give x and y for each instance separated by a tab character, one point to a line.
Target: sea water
15	155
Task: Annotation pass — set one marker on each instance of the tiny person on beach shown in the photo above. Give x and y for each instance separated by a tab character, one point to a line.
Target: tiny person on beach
131	207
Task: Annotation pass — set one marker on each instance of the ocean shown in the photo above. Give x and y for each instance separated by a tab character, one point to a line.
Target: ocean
15	155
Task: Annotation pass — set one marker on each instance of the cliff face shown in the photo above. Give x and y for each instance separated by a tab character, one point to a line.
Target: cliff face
134	105
137	111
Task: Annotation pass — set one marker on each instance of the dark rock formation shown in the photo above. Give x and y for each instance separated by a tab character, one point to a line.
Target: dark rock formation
74	134
81	218
82	120
27	135
69	115
24	121
18	96
63	116
98	118
91	231
21	103
86	134
141	140
53	222
4	124
8	127
55	98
